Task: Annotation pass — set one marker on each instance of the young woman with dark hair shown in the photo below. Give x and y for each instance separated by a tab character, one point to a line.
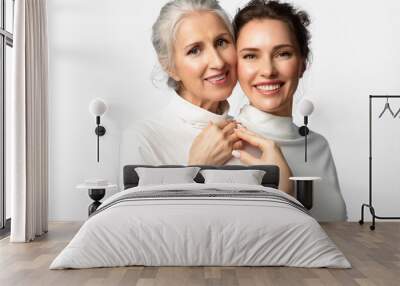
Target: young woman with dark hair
272	45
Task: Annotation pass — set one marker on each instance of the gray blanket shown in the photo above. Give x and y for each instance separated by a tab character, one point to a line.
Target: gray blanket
206	193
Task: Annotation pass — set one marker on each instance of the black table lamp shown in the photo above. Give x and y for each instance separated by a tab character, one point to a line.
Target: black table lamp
306	107
97	107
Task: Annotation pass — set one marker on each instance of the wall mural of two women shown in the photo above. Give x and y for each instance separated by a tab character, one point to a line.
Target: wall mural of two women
265	49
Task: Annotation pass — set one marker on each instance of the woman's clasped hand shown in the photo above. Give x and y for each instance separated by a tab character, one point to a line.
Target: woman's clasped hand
215	143
271	154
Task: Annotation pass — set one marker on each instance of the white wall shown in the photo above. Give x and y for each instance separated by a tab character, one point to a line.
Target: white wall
101	48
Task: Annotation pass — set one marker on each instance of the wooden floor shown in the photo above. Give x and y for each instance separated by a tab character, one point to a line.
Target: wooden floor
374	255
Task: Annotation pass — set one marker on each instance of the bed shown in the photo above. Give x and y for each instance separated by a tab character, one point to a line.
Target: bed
201	224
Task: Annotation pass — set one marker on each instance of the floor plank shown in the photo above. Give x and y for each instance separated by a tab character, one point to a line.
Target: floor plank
374	255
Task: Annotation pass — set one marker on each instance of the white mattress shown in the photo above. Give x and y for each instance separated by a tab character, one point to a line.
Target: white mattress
200	231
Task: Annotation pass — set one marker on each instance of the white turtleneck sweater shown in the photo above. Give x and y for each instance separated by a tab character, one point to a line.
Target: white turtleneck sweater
167	136
328	201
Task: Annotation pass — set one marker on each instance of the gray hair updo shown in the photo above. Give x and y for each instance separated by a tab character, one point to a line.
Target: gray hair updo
164	29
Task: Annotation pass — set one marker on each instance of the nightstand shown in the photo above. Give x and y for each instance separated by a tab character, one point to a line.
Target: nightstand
96	193
304	190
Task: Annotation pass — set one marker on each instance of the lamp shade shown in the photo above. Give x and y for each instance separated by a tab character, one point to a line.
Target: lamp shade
97	107
306	107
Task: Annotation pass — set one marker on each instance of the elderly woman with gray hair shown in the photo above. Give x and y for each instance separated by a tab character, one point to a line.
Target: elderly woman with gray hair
194	43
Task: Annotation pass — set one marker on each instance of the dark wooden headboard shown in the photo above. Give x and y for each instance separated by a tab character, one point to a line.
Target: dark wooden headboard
270	179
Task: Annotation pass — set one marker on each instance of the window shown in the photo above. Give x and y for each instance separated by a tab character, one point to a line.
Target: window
6	44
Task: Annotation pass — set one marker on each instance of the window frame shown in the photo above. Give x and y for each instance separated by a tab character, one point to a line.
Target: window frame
6	39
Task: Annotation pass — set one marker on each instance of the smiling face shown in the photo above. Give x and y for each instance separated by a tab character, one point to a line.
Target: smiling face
269	65
204	60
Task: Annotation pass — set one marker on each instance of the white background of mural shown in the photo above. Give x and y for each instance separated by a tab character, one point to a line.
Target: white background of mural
101	48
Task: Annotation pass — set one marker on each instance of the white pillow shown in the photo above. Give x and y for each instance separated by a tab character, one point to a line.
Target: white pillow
162	176
248	177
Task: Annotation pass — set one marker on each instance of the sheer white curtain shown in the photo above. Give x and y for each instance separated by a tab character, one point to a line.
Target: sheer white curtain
28	121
